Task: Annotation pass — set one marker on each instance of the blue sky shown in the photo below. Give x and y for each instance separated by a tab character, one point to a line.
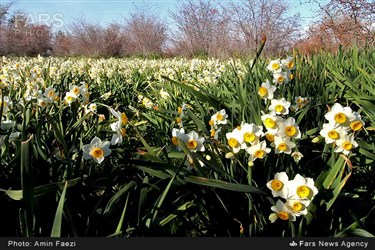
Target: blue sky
104	12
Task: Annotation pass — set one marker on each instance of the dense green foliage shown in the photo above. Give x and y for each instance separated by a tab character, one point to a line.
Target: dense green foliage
144	187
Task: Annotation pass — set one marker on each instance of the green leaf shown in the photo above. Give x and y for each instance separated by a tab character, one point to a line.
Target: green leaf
117	196
27	186
121	221
56	227
198	122
13	194
224	185
172	216
41	190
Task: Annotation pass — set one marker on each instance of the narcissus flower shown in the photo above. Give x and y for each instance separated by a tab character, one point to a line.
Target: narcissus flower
92	108
75	90
288	63
120	132
70	97
282	212
251	133
280	107
96	150
51	93
290	128
301	101
258	150
190	163
163	94
235	139
266	90
341	115
274	65
279	185
332	132
297	207
297	156
281	77
122	118
357	123
194	143
345	144
178	134
218	118
283	145
302	188
271	122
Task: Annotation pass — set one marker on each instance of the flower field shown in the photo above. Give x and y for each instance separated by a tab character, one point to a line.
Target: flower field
188	147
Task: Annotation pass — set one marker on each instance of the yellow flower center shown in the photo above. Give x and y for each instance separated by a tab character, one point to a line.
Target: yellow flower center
179	110
192	144
124	119
291	76
340	118
356	125
275	66
279	108
297	206
213	132
211	122
249	137
299	100
259	153
303	191
270	123
290	65
75	90
233	143
175	140
280	79
96	153
282	147
70	98
347	145
283	215
178	120
277	185
333	135
123	132
262	91
270	137
220	117
290	131
51	93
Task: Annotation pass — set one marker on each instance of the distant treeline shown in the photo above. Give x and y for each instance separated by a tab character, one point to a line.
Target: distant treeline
201	28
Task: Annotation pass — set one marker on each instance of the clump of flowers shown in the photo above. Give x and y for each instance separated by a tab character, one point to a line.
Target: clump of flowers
282	70
145	101
296	195
340	130
76	92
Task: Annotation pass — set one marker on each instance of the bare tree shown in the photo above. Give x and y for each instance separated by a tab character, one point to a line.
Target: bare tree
145	33
350	21
342	22
4	27
202	28
252	19
87	38
20	37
